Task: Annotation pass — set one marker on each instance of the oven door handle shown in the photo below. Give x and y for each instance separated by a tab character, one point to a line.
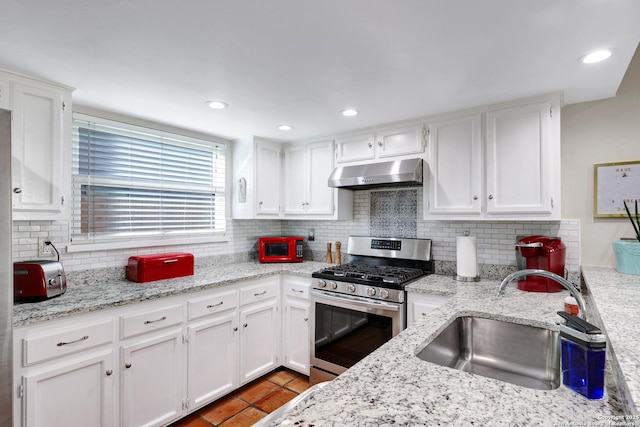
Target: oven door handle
361	302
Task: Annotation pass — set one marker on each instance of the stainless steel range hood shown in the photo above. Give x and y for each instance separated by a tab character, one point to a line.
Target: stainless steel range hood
407	172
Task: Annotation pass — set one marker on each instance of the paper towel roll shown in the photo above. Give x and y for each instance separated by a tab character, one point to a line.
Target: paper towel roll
466	257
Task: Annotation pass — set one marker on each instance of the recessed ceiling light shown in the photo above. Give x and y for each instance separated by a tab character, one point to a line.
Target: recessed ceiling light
285	127
596	56
349	112
217	105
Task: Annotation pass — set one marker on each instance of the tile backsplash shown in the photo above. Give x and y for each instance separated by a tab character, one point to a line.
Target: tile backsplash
394	213
376	212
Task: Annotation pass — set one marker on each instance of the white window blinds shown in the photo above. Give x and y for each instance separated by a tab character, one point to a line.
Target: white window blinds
131	182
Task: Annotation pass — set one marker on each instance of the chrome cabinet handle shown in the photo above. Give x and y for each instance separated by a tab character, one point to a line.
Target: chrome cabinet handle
379	143
370	145
215	305
259	294
490	196
146	322
235	329
60	344
17	190
475	197
245	324
297	290
306	319
109	372
127	365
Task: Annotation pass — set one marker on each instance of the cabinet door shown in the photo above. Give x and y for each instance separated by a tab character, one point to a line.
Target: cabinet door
296	178
355	148
400	141
213	358
455	166
152	386
518	159
296	334
320	165
268	169
259	339
79	394
37	151
419	305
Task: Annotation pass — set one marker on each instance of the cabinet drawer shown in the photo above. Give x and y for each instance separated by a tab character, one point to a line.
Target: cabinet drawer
296	289
49	346
258	292
136	324
199	307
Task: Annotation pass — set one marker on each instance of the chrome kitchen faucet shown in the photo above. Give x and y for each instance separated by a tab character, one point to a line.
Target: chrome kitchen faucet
544	273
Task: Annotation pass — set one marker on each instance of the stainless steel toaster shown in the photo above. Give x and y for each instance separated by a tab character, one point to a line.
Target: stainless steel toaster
38	280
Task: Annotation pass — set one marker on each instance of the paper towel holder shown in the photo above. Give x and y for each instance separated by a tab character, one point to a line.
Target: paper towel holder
467	279
461	278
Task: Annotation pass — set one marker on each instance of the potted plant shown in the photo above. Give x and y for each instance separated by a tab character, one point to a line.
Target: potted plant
627	251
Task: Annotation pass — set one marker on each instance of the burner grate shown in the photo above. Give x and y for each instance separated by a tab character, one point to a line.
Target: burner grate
373	273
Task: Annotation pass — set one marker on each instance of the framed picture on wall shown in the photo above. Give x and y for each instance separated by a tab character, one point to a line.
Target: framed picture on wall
615	183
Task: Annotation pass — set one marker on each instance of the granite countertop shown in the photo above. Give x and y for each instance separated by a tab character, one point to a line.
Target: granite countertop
393	387
96	293
616	298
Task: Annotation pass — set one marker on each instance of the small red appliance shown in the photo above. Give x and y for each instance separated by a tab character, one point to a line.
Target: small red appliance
148	268
542	253
280	249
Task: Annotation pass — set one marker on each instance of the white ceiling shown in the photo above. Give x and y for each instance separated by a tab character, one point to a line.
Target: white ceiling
301	62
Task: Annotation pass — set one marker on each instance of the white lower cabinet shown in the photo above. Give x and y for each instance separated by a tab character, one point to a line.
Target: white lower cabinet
75	393
419	305
152	363
213	357
295	323
259	329
152	380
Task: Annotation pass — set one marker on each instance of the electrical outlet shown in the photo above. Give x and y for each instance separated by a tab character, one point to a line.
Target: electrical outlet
43	248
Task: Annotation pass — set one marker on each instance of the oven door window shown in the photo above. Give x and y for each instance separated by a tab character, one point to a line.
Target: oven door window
344	336
276	249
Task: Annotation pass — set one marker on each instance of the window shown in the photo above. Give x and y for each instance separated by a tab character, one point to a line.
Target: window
132	183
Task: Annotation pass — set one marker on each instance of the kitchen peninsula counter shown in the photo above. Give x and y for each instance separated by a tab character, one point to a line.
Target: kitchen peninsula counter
97	293
393	387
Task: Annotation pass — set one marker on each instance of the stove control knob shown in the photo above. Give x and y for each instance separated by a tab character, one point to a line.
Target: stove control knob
322	284
351	288
371	291
384	293
333	285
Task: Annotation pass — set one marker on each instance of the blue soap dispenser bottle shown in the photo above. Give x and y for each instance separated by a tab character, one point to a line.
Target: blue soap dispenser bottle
584	348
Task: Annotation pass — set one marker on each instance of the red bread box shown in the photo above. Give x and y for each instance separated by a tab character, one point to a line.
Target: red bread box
147	268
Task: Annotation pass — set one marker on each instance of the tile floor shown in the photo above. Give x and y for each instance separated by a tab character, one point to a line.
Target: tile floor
250	403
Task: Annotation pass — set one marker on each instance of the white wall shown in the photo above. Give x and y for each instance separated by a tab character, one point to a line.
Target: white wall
599	132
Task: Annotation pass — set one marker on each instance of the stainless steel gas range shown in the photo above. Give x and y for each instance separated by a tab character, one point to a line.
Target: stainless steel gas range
357	307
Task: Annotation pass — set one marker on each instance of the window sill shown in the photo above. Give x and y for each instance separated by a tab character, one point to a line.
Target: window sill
132	244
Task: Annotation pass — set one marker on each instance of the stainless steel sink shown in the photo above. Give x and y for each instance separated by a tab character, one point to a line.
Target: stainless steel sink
519	354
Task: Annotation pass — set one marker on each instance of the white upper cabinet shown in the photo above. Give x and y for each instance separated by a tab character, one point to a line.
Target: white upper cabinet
384	143
41	141
455	166
355	148
306	170
510	170
268	188
522	148
274	180
400	141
